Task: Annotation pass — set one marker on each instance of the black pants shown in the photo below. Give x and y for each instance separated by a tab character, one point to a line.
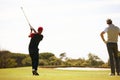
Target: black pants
113	56
35	59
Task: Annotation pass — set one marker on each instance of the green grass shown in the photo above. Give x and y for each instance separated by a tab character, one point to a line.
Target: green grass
24	73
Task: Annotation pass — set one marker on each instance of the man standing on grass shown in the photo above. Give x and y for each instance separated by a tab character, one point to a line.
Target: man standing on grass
36	37
112	47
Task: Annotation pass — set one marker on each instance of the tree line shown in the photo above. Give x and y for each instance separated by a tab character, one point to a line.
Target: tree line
47	59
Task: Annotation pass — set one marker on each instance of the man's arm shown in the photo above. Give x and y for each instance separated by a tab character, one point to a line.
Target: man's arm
119	34
32	29
31	33
102	36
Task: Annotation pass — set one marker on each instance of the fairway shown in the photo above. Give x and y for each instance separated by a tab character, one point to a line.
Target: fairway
24	73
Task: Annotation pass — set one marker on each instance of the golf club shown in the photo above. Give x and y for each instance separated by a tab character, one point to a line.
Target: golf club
26	17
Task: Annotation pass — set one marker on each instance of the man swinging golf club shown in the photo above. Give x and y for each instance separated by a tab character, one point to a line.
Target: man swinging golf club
36	37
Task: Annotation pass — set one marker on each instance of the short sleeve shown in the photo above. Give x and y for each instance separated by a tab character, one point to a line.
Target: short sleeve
105	30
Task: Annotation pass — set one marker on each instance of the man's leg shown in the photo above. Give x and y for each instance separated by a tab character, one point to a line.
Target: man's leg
110	52
33	62
34	58
119	64
116	59
36	61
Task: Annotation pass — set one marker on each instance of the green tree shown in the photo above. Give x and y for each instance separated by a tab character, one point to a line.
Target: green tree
49	59
11	63
94	61
19	58
55	61
27	61
43	62
46	55
62	55
6	61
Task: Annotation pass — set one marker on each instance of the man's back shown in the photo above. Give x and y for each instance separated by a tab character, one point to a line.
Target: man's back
113	33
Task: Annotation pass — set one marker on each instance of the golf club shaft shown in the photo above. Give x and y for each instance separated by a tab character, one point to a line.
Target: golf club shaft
26	17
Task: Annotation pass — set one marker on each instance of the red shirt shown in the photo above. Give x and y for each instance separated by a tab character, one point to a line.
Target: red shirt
31	35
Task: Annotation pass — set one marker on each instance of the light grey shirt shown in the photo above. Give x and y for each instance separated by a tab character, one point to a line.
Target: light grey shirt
112	33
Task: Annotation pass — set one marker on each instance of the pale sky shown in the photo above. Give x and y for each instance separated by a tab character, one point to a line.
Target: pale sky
70	26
